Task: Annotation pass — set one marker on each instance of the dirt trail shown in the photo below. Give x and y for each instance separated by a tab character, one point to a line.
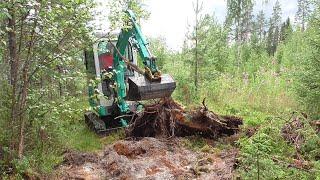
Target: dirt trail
148	158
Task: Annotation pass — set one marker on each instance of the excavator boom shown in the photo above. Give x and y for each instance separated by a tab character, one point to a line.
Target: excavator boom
149	86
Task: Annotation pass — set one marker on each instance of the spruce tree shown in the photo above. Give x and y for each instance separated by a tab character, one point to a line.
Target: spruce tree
273	32
260	25
303	13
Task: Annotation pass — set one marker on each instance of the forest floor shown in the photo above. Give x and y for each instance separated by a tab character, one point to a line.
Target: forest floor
198	144
185	147
150	158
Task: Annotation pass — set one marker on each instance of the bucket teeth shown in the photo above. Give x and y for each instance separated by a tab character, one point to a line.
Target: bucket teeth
140	88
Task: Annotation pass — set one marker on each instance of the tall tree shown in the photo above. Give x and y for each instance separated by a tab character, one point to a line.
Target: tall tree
308	77
274	26
239	18
197	10
38	36
286	30
246	21
303	13
270	35
276	14
260	25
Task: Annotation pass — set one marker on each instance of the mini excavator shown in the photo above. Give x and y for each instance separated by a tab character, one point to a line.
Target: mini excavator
116	84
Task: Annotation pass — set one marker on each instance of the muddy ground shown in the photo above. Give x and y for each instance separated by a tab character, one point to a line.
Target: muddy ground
149	158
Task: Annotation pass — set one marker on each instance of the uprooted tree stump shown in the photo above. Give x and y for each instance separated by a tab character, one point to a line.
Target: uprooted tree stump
167	118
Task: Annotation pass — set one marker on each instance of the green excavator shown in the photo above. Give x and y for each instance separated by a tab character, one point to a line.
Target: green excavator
116	84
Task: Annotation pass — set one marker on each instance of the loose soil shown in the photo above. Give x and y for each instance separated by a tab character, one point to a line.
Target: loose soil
148	158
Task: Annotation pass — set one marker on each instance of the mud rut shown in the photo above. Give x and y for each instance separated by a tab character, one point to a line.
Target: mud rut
159	152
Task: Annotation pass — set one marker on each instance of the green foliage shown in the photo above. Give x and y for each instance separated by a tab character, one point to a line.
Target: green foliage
159	49
308	87
300	64
40	105
117	16
258	84
267	154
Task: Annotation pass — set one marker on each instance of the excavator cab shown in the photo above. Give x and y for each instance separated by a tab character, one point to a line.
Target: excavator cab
99	60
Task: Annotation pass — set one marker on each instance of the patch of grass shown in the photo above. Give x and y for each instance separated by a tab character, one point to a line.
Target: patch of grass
83	139
195	143
49	161
113	137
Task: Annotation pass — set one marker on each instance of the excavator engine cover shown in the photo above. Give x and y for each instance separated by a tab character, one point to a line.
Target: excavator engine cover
140	88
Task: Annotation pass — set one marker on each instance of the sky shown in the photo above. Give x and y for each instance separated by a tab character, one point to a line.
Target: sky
170	19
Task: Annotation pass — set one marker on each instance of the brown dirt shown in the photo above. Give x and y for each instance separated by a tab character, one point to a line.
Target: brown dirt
148	158
250	131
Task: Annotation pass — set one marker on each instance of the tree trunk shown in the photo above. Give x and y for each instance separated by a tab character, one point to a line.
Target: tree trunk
14	64
22	108
60	84
196	70
24	92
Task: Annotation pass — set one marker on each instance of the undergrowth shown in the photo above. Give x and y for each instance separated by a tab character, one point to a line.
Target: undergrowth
266	103
267	155
64	130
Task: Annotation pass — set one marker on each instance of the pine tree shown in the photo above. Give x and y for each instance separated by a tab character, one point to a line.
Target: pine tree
246	21
273	32
260	25
303	13
197	10
276	14
286	30
275	40
270	39
240	16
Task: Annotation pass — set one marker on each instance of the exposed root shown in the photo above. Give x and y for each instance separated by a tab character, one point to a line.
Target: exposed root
167	119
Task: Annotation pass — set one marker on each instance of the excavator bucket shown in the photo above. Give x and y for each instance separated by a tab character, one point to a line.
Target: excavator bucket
140	88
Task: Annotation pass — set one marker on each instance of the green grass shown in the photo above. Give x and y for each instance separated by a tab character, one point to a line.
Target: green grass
194	143
82	139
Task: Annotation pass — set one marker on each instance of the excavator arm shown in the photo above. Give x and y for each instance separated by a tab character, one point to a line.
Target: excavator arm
152	84
139	41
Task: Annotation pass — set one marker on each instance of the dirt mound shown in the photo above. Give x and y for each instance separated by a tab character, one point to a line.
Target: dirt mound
130	151
167	118
150	158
